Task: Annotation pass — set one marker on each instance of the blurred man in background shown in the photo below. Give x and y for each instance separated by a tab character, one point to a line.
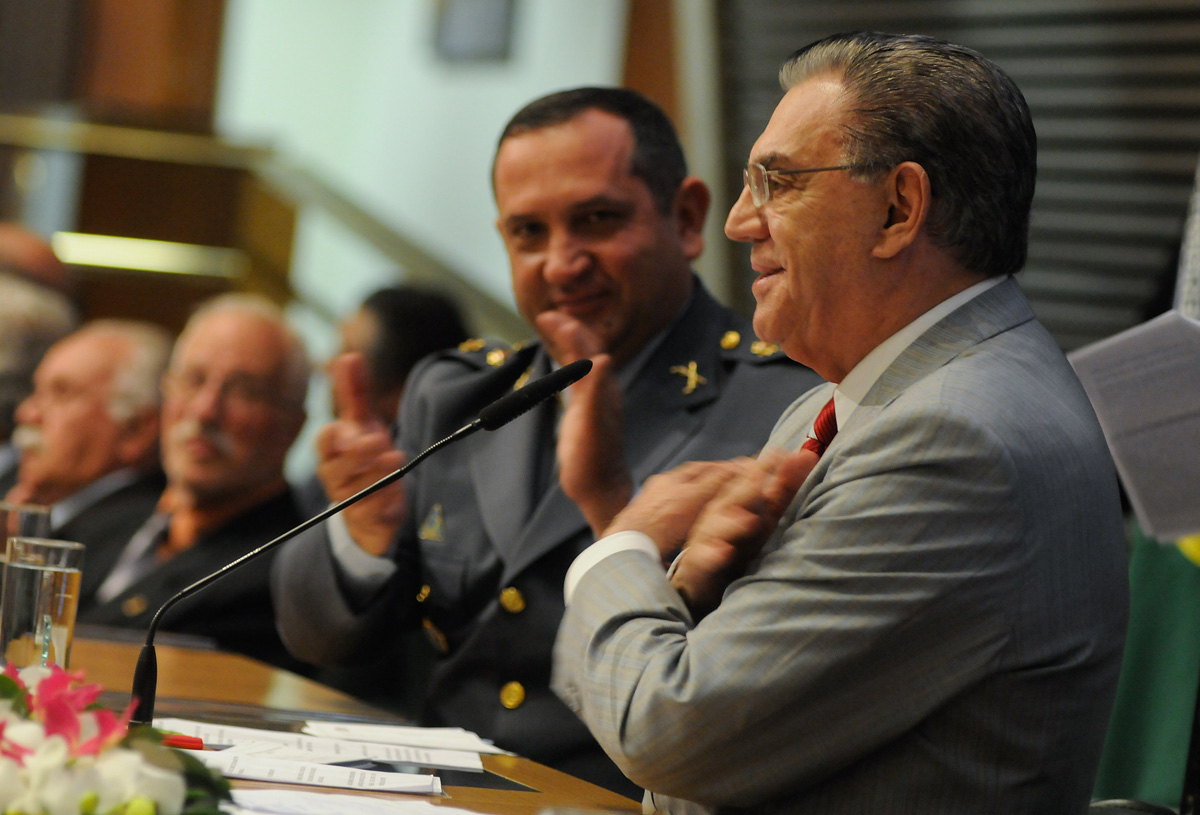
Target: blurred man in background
88	437
32	318
233	404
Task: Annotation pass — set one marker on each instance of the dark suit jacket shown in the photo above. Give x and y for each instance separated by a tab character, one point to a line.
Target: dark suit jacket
477	530
235	611
106	526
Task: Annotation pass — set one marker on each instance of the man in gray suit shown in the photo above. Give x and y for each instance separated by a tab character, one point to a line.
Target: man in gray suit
601	223
921	608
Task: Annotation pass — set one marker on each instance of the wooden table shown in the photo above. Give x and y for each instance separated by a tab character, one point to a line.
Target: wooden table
217	686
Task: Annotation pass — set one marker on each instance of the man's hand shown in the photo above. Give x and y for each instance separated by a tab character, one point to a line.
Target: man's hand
355	450
591	456
668	504
732	527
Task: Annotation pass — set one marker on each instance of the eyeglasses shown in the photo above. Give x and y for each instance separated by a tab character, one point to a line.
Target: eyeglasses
240	390
758	178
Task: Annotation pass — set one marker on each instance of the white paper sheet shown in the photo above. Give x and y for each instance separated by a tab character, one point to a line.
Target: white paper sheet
320	775
307	802
1144	384
448	738
323	750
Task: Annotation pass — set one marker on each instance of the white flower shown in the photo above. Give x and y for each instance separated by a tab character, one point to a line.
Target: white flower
124	774
57	757
12	785
32	676
26	733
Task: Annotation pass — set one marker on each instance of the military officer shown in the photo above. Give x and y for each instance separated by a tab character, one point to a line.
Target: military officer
601	223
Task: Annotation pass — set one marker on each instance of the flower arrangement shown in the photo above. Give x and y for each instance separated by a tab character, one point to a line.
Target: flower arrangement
62	754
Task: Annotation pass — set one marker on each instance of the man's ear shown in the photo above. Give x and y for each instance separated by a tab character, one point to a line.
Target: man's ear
689	210
908	201
139	437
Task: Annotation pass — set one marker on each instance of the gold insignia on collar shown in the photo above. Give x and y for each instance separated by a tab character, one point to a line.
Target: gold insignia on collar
690	372
471	345
763	349
434	527
730	340
523	378
496	357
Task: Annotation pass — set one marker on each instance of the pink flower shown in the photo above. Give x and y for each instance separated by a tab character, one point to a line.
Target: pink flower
60	702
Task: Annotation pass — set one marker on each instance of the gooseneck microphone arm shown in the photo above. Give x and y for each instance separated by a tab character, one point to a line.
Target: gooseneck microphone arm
492	417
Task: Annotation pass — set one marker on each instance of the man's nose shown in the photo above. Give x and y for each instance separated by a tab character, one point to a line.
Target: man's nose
27	410
566	260
745	222
205	404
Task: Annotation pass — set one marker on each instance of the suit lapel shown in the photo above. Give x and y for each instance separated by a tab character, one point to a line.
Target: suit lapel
509	457
998	309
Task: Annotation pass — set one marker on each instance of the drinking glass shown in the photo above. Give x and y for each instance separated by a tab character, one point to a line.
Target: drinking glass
40	597
24	520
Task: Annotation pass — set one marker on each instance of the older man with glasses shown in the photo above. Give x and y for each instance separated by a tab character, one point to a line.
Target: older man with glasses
916	603
233	403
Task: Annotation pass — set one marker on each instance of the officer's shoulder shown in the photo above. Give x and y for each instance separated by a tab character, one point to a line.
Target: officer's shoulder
742	346
475	356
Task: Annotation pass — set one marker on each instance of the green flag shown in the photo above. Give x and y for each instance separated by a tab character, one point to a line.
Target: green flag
1151	727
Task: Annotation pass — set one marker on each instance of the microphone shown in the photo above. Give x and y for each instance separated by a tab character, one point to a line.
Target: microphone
496	415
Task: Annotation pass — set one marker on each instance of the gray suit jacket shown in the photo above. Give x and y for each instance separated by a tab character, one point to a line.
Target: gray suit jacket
479	525
935	627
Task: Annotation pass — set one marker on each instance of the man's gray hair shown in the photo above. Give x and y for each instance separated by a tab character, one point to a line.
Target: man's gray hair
136	386
32	318
297	369
954	112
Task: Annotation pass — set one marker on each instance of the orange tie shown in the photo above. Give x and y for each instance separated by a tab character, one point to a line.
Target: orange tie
824	429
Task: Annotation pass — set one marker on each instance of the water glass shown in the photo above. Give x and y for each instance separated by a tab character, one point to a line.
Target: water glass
24	520
40	597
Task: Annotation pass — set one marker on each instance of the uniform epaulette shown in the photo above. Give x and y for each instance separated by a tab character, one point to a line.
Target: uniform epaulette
480	353
748	348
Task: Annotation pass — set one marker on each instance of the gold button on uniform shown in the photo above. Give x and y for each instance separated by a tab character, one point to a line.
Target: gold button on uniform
512	601
423	594
512	695
730	340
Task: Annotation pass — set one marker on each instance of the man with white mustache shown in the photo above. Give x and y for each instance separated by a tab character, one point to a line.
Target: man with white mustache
233	403
88	437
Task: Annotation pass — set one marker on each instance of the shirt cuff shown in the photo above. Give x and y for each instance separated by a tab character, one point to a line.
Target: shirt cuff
631	541
363	574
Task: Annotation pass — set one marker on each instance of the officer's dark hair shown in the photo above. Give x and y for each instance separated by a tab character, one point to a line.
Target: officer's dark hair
657	155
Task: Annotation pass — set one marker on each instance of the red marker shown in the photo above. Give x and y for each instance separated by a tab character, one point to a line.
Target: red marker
183	742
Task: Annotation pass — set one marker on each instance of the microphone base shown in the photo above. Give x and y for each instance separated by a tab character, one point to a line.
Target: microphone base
145	685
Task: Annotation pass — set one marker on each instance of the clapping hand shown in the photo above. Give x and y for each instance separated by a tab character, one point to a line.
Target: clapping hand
591	456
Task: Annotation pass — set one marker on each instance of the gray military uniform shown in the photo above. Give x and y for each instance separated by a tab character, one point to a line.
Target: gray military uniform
490	533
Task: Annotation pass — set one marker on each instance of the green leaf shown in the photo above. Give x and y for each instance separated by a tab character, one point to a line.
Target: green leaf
10	690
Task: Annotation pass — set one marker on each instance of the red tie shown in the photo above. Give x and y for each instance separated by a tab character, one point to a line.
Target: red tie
824	429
